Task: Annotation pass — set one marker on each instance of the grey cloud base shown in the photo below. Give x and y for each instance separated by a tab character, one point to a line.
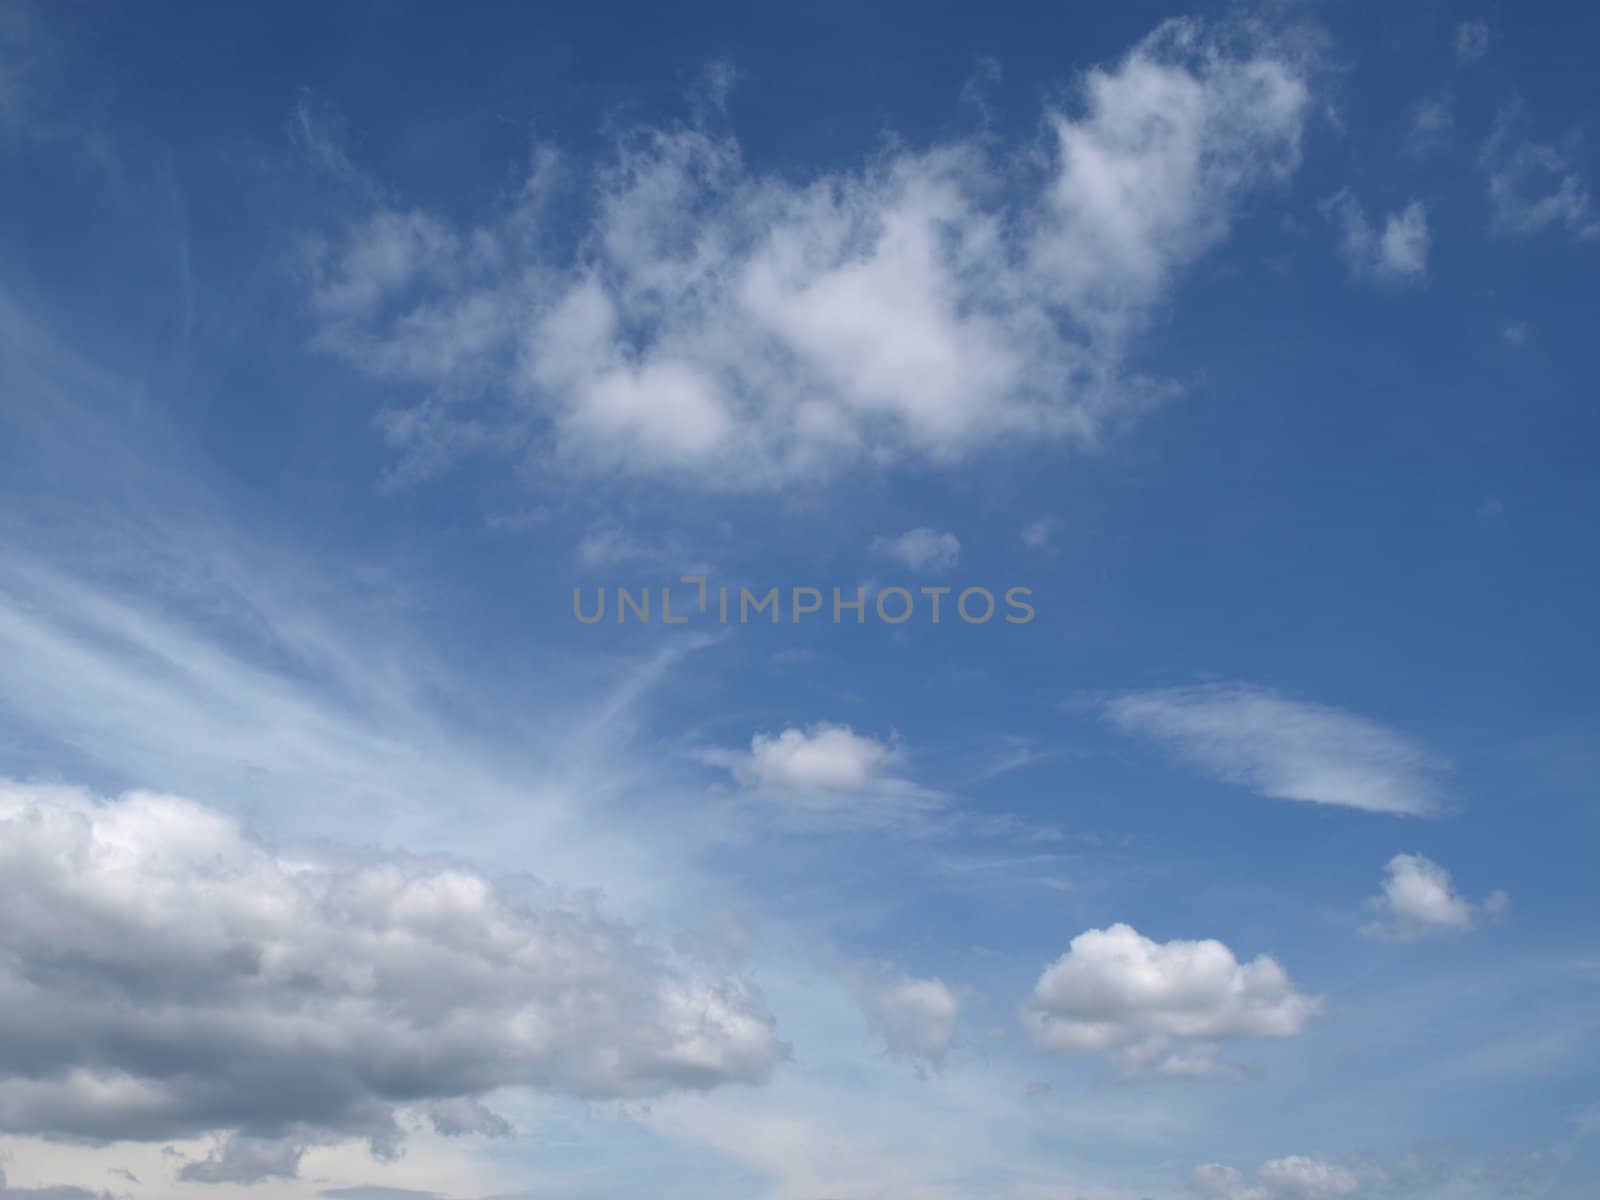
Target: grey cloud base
162	974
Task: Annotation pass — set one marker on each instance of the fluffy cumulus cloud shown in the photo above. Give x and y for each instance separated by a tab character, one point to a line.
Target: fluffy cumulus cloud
823	758
1396	251
1288	749
1160	1006
826	773
163	974
1294	1178
915	1018
726	329
921	549
1419	898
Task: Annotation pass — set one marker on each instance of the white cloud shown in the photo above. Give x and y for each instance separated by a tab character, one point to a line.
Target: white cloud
1419	898
730	330
824	758
1397	252
1430	126
1472	40
1037	534
1218	1182
826	773
916	1018
609	545
1294	1178
1196	1060
164	974
1305	1178
1288	749
1117	992
922	549
1533	188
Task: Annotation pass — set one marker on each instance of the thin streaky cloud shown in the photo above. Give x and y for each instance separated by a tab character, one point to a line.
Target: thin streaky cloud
1287	749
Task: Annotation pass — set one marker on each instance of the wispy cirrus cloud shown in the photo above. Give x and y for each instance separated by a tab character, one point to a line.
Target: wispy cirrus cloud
921	549
1533	186
1287	749
1397	251
1472	40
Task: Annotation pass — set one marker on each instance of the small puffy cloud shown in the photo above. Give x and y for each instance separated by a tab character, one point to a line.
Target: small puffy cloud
823	758
826	773
1472	40
1037	534
1396	252
1119	993
163	974
1533	188
916	1018
1419	898
1516	334
1294	1178
1288	749
1430	126
1302	1178
1218	1182
720	328
922	549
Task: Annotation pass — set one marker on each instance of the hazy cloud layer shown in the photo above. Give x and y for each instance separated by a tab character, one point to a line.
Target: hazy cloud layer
915	1018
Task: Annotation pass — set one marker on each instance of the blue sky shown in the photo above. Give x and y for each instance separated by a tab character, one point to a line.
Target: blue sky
341	346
